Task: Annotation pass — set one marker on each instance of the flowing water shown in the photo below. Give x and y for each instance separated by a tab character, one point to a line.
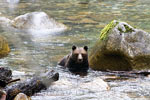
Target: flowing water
85	18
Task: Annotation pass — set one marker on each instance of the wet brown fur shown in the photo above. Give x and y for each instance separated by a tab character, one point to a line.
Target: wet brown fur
77	60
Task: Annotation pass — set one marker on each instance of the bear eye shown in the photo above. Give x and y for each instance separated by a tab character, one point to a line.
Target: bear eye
84	55
75	55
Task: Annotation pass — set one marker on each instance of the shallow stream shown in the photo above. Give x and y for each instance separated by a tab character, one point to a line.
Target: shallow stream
33	54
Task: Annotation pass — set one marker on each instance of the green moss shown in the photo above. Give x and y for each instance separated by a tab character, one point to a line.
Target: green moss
104	33
128	29
120	30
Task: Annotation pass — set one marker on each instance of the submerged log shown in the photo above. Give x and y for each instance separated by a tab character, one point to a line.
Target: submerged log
124	75
132	74
32	86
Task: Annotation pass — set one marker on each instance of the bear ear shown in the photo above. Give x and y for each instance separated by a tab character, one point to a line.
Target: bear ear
85	48
73	47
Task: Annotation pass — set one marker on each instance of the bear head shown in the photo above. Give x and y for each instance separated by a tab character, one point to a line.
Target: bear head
80	54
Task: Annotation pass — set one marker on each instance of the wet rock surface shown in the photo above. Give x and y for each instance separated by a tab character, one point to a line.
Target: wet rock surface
37	21
2	95
4	47
121	47
33	22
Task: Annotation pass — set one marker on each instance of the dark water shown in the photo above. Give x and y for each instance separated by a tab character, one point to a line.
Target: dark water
85	18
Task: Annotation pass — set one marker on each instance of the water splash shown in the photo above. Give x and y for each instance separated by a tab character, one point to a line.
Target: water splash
73	87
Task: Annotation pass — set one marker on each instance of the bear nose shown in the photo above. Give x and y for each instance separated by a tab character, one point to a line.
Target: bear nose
80	58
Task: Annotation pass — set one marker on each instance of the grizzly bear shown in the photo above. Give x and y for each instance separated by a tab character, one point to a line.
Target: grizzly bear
77	60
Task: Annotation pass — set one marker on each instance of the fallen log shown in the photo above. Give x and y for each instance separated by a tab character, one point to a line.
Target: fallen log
5	76
133	74
124	75
32	86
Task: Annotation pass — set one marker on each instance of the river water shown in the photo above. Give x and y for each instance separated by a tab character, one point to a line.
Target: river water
85	18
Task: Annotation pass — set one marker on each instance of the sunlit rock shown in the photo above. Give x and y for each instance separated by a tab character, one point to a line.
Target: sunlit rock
22	96
2	95
64	84
121	47
97	84
37	21
4	47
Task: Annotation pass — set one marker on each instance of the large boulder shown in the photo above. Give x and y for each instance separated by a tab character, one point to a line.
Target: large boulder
37	21
121	47
4	47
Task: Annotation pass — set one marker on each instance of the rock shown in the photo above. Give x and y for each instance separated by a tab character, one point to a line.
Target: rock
4	47
37	21
2	95
121	47
22	96
97	85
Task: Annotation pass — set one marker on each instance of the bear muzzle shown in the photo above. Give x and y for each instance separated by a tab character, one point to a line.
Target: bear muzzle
80	58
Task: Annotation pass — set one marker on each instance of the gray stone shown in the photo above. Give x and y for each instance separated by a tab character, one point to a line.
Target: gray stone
121	47
36	20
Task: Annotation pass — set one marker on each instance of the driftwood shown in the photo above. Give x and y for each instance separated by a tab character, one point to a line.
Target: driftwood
32	86
129	73
6	76
124	75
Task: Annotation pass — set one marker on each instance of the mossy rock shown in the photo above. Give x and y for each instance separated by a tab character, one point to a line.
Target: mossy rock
121	47
4	47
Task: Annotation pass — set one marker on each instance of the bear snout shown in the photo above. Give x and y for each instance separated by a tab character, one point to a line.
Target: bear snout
80	58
